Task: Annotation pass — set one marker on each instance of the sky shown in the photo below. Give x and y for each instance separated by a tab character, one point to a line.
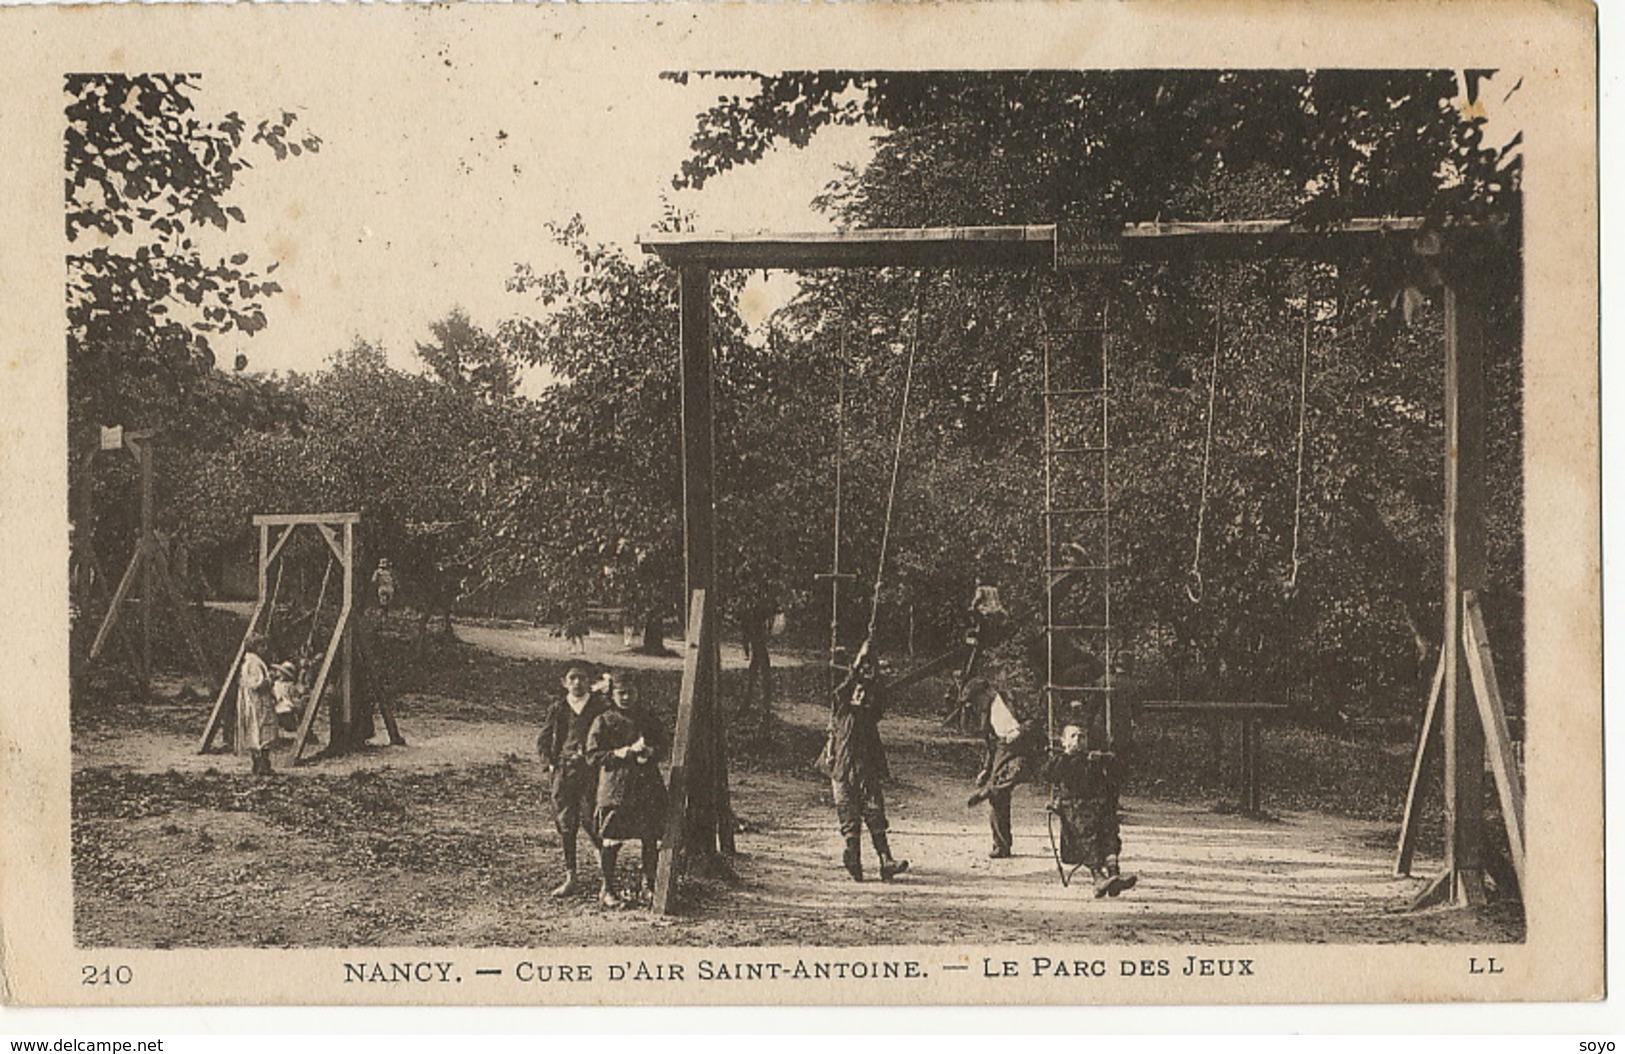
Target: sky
440	171
429	188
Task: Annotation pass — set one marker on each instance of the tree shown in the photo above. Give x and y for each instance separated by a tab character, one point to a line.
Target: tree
144	175
1110	148
468	360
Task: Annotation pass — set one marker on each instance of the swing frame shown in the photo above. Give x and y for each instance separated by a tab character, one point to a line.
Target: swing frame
148	562
337	531
1467	710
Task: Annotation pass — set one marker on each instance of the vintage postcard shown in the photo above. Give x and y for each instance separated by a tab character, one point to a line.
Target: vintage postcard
880	503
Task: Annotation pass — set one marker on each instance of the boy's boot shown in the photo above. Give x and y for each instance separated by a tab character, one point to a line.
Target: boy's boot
1103	882
569	887
1119	881
852	858
262	762
607	895
889	868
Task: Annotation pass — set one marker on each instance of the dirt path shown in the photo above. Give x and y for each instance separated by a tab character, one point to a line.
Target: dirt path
606	649
446	842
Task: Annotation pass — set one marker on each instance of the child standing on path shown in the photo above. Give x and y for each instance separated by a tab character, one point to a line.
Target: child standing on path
1085	783
1006	759
563	748
858	766
256	706
627	744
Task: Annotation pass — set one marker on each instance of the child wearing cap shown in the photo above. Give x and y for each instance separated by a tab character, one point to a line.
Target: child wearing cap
562	745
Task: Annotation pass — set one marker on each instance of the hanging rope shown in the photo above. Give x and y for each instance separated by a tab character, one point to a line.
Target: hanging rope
897	453
1193	582
270	612
1303	411
315	613
835	548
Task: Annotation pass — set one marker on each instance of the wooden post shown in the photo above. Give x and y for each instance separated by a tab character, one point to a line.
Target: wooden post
681	786
1251	800
1462	882
143	454
706	799
1492	715
346	682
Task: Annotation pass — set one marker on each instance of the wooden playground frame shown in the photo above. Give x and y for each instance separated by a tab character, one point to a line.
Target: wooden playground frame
1464	714
148	563
337	531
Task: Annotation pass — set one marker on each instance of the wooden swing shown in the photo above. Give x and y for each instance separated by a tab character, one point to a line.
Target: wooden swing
337	531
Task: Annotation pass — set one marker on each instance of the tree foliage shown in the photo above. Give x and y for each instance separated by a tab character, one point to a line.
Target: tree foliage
1355	621
144	175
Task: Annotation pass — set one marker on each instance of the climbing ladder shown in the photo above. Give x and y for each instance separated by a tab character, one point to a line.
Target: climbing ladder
1076	343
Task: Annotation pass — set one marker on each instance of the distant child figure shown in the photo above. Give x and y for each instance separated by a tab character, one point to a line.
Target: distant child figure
627	744
383	582
575	634
857	762
1085	800
563	748
988	613
256	706
286	692
1007	759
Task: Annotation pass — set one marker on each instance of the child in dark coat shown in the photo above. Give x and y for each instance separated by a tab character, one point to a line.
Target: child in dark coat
563	749
857	763
627	744
1085	799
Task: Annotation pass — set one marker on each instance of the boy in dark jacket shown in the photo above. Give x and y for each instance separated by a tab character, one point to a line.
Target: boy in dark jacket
563	748
627	744
1085	798
858	766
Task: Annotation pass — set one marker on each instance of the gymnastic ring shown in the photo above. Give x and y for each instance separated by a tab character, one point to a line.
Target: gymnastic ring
1194	587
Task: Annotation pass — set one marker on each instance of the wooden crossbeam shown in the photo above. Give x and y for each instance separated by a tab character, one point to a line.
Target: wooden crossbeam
295	519
1023	246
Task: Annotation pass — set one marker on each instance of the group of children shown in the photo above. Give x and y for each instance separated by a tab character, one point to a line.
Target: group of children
1084	781
603	753
1084	776
270	701
603	750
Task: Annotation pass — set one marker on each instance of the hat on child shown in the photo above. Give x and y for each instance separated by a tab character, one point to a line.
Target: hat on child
286	668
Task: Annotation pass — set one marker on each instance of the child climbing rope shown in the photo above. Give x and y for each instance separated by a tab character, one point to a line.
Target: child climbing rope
857	765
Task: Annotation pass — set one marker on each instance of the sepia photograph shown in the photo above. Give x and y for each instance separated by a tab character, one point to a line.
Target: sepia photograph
521	521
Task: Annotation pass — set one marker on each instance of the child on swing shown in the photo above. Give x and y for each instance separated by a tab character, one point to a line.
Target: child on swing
1085	799
288	694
